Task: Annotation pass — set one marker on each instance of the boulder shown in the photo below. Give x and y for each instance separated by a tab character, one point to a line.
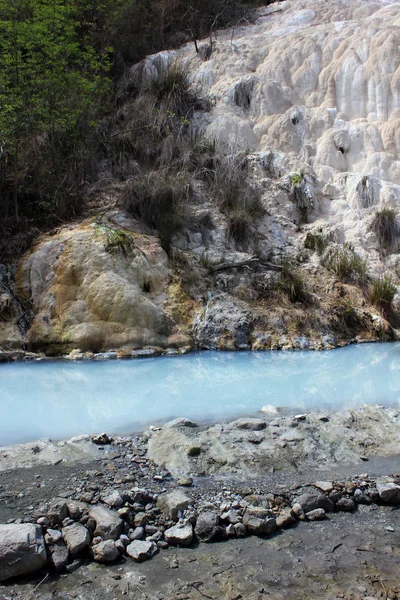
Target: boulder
207	528
108	524
180	422
240	530
106	552
172	503
179	535
76	537
140	551
22	550
262	524
285	519
310	501
58	556
389	492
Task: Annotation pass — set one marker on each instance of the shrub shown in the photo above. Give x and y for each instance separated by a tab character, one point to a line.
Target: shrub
160	201
345	263
236	198
385	227
316	241
171	90
382	291
292	284
297	178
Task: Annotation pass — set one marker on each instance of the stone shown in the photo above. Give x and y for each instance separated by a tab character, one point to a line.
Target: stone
262	524
137	534
250	424
179	535
108	524
324	486
76	509
240	530
318	514
185	481
346	504
106	552
173	503
140	519
52	536
76	537
388	492
230	531
207	526
112	498
311	501
58	511
101	439
298	511
285	518
22	550
141	550
232	516
58	556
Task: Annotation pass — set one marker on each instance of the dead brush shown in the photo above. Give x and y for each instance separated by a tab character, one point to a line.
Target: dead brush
386	228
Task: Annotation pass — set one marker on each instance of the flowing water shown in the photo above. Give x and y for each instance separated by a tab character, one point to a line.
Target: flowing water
61	398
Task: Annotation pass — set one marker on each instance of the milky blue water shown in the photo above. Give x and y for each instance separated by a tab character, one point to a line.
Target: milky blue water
60	399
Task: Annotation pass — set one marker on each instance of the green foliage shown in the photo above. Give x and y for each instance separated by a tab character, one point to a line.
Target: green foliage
382	291
117	240
171	90
385	227
52	82
297	178
345	264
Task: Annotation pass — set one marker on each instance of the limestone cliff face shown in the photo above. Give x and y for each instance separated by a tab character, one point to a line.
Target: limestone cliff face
311	92
94	286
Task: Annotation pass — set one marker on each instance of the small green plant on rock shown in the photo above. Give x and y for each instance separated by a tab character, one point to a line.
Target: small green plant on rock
116	240
297	178
385	227
382	291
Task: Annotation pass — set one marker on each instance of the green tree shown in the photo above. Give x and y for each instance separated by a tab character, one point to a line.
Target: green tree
52	79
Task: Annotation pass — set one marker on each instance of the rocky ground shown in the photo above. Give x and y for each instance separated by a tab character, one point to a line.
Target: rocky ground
90	519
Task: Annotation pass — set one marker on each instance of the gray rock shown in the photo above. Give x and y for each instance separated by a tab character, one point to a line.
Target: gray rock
112	498
232	516
185	481
324	486
298	511
22	550
58	556
240	530
76	537
120	546
207	528
389	492
230	531
311	501
318	514
172	503
140	551
101	439
137	533
285	518
76	509
346	504
251	424
106	552
262	524
140	519
108	524
58	511
74	565
179	536
52	536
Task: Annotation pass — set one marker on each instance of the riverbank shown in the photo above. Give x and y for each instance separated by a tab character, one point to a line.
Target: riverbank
292	532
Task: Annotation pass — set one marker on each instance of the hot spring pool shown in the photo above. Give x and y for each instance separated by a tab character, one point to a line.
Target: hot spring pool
60	399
